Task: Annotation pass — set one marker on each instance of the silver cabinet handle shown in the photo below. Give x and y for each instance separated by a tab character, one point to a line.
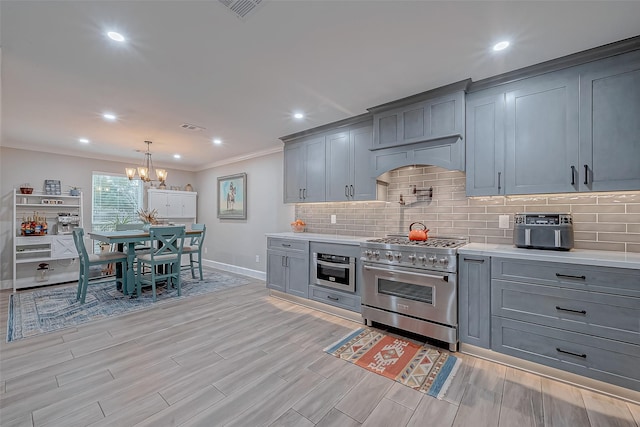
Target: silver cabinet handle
480	261
351	188
346	191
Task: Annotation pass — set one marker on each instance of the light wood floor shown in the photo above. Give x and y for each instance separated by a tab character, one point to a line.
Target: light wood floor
239	357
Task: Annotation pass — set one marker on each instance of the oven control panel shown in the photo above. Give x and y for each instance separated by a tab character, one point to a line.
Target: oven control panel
411	258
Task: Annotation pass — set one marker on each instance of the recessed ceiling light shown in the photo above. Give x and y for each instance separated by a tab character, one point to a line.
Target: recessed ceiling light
176	156
217	141
109	116
501	45
298	115
83	140
116	36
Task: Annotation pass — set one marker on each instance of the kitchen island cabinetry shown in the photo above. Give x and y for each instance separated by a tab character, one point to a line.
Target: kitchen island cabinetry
304	170
47	257
474	307
288	266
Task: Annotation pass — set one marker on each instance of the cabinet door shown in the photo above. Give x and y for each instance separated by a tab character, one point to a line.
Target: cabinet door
474	301
338	167
276	270
174	205
293	173
158	201
189	205
63	247
485	144
610	124
542	135
314	167
361	162
298	275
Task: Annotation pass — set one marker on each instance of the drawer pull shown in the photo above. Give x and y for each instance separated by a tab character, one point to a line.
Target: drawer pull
570	310
569	276
473	260
559	350
286	245
333	298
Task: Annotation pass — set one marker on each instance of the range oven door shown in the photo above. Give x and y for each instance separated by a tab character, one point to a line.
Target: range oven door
429	295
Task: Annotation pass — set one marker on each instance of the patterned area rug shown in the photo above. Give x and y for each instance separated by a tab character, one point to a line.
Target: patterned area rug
51	309
426	369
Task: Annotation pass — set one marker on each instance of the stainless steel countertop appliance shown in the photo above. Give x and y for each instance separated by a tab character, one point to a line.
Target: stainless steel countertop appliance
412	285
537	230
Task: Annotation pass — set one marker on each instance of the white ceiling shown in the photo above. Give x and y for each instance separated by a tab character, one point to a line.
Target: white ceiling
241	79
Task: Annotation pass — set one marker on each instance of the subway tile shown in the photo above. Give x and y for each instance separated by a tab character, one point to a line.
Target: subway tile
477	239
633	228
457	216
452	231
585	235
633	208
628	218
600	246
470	224
597	226
495	232
572	200
632	247
622	197
484	216
470	209
598	208
582	217
500	240
454	202
525	200
619	237
548	208
486	201
505	209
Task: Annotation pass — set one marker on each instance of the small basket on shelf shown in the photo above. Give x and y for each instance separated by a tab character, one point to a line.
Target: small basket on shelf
298	226
26	190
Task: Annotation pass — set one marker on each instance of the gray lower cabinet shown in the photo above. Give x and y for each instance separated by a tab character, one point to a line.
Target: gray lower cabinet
474	279
335	297
288	266
304	171
348	165
578	318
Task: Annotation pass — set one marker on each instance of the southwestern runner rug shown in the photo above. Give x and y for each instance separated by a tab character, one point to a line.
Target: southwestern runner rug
50	309
423	368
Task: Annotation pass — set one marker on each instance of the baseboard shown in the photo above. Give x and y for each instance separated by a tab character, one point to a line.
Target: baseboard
553	373
235	269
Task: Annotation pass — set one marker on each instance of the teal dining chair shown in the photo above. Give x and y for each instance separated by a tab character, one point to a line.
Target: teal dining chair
163	259
194	249
87	260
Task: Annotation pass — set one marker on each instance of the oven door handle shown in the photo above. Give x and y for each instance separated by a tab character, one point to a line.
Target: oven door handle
387	271
335	264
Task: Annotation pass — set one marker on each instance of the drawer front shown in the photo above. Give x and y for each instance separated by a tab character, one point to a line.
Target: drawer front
619	281
336	298
608	316
598	358
288	244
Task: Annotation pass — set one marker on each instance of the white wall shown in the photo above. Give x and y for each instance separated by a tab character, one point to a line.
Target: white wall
237	242
21	166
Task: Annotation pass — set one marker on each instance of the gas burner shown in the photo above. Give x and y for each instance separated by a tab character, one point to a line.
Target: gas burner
433	242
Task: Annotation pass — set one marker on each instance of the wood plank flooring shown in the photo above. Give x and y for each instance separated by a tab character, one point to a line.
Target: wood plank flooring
239	357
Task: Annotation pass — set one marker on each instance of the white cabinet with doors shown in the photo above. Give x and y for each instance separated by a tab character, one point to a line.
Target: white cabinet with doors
172	204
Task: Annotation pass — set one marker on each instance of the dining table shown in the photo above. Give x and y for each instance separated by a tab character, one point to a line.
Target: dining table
130	238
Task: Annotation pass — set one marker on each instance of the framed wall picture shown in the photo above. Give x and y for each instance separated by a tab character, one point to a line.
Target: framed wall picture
232	196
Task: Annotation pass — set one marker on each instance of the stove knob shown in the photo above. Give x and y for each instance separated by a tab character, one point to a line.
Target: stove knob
422	259
389	256
368	253
376	254
412	258
398	256
433	260
443	261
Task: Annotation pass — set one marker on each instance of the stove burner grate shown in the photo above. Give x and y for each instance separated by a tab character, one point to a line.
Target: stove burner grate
432	242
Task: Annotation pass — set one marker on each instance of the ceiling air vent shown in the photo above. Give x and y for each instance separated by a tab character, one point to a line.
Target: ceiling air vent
188	126
241	8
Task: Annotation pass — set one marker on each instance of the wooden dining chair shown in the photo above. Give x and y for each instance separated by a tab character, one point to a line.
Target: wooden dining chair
163	259
194	249
87	260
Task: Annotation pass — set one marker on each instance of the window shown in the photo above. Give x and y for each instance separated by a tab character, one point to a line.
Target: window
115	200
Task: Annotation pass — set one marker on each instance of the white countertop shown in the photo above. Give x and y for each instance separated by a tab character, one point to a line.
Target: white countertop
574	256
316	237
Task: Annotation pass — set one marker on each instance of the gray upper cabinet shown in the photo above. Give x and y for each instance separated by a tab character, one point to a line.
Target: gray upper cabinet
610	124
348	167
439	116
541	138
485	144
304	171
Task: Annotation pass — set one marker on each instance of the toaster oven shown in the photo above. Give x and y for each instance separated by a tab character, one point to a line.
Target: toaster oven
543	231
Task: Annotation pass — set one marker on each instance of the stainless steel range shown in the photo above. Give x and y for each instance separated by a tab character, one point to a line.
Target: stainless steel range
412	285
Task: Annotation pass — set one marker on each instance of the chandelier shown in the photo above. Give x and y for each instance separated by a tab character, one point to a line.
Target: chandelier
144	170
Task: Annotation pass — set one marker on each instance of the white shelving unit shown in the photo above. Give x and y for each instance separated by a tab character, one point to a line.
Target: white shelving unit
56	250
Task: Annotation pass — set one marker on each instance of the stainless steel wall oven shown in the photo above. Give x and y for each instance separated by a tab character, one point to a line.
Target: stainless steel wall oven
335	271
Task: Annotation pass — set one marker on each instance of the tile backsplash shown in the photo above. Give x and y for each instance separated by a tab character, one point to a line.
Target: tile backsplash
602	221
